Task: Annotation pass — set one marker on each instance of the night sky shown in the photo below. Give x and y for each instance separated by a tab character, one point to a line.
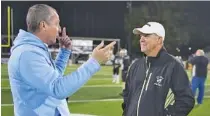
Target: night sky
104	19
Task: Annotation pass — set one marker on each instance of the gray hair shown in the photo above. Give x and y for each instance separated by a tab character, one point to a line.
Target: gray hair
200	52
36	14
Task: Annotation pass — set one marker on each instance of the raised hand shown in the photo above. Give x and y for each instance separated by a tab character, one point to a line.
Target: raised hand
64	40
101	54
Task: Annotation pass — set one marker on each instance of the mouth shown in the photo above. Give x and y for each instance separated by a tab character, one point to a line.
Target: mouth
142	44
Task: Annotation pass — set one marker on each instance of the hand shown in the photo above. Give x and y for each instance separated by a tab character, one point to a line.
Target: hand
102	55
64	40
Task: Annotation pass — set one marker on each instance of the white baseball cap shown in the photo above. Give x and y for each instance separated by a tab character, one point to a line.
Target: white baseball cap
150	28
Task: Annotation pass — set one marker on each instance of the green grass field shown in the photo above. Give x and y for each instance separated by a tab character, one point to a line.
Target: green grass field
98	97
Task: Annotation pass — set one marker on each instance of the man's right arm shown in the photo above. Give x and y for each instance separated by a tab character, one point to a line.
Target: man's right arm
125	95
38	73
193	60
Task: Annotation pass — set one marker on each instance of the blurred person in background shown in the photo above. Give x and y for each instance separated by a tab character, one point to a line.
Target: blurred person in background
199	74
124	66
155	76
38	84
116	61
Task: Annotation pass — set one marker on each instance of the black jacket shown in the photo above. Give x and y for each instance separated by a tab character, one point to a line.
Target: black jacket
150	85
201	66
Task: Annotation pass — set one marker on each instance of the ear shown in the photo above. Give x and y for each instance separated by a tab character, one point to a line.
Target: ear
42	25
160	40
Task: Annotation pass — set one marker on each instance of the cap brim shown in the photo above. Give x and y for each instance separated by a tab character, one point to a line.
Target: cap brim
138	31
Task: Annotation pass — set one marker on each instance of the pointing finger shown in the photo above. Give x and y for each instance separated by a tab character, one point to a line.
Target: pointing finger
100	45
109	46
64	32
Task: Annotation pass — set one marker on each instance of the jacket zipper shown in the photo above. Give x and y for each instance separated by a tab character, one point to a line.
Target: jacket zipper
146	81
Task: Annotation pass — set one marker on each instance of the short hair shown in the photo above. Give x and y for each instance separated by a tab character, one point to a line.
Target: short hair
36	14
200	52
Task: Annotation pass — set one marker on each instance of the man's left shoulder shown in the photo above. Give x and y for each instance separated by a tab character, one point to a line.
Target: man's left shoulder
176	61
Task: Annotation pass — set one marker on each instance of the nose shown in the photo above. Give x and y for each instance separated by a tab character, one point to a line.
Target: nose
142	38
59	29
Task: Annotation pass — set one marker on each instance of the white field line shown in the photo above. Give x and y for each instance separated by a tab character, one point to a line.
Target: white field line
78	101
86	86
103	86
4	79
101	100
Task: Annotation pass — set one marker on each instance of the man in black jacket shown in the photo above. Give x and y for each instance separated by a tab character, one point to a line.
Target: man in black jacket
156	84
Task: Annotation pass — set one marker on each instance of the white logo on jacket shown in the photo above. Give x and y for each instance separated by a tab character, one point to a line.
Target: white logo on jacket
159	81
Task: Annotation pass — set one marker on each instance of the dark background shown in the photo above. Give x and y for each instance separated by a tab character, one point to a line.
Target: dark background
83	19
106	19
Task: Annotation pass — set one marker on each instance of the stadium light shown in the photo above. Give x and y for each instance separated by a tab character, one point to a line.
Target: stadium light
178	49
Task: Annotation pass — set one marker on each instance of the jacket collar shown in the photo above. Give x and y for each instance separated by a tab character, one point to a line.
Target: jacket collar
150	59
163	49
